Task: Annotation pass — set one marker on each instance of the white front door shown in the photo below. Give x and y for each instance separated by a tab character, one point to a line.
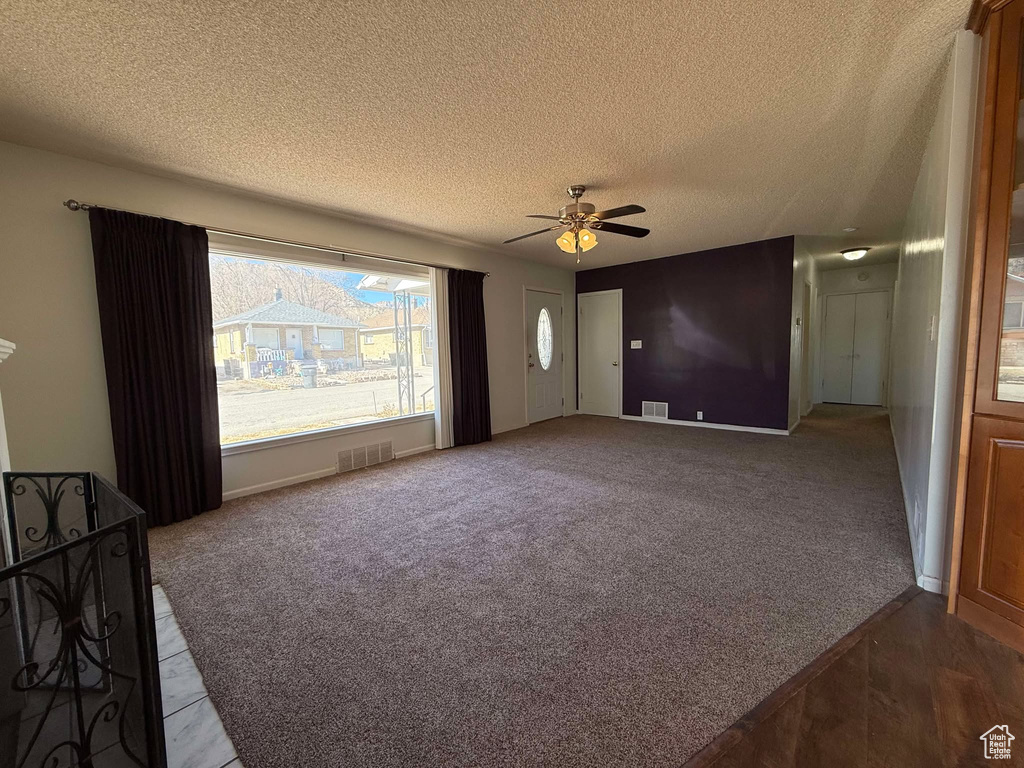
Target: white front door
293	341
543	355
855	339
600	349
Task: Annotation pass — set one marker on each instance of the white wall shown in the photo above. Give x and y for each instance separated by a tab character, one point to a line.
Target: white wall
55	388
805	271
874	277
926	329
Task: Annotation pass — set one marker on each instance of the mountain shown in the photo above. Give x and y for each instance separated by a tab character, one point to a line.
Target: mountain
238	285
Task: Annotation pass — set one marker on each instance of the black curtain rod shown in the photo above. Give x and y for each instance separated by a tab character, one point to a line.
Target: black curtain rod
74	205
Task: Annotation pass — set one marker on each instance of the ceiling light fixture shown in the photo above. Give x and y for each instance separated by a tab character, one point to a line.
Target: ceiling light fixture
567	241
849	229
852	254
587	239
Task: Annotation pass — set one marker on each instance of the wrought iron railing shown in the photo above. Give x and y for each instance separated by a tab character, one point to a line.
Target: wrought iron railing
79	683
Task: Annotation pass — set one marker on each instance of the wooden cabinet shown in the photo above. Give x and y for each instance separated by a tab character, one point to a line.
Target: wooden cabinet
990	580
992	570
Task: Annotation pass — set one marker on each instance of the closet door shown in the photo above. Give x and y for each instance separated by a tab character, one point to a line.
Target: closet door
871	332
837	363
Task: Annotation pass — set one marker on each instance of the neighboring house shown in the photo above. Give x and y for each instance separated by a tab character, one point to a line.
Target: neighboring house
266	338
377	337
1012	351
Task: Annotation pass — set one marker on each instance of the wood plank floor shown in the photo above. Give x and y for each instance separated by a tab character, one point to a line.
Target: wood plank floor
912	686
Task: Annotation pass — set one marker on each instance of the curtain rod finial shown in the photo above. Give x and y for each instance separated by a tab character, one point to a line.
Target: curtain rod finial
74	205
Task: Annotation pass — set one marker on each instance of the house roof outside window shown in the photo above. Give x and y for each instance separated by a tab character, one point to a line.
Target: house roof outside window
284	312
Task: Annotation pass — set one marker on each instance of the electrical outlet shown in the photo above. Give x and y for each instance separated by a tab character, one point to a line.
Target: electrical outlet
700	415
636	344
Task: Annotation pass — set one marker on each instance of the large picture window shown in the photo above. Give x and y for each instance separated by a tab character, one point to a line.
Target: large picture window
306	347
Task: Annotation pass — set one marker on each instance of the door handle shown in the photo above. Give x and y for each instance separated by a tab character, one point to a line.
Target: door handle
531	365
615	362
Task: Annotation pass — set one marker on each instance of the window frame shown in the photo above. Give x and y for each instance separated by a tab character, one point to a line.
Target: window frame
257	329
1020	315
274	441
339	331
247	446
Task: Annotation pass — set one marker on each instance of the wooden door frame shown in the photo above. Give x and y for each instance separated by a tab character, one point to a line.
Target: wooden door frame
617	292
806	348
526	346
977	237
1000	200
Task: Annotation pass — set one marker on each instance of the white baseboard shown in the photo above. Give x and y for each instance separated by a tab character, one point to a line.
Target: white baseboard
251	489
709	425
932	584
908	510
414	451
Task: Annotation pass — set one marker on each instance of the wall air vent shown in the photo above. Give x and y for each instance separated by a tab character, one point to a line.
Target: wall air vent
653	410
364	456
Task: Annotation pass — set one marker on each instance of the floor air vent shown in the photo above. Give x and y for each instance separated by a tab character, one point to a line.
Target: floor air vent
364	456
653	410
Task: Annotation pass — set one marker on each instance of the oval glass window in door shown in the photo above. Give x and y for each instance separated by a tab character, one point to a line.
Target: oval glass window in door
544	338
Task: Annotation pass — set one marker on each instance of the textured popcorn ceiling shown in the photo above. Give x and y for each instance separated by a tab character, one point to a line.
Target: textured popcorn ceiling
729	122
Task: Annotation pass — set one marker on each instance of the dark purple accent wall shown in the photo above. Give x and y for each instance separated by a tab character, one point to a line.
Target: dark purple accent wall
715	332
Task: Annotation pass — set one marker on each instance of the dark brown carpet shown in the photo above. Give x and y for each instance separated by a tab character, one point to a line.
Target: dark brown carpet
583	592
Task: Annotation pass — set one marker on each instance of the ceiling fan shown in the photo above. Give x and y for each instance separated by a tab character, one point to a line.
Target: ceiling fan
579	218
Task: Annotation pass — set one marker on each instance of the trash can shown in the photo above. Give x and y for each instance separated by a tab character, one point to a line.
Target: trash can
309	377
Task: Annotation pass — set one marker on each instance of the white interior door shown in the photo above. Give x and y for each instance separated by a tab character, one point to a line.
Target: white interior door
871	330
837	357
293	340
600	348
543	355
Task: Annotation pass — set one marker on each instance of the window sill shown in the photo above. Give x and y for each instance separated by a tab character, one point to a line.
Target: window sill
321	434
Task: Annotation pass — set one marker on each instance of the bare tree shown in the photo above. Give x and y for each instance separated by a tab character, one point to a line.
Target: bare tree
238	285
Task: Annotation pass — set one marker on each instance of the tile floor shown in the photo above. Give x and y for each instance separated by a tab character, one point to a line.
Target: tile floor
195	736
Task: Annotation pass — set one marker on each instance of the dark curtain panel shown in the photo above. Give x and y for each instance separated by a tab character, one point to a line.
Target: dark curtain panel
153	285
471	397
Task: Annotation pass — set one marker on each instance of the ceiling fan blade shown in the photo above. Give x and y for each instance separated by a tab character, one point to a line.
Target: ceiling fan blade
542	216
624	210
538	232
620	229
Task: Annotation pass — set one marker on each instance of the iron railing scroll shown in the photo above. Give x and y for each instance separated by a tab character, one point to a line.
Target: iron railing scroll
79	682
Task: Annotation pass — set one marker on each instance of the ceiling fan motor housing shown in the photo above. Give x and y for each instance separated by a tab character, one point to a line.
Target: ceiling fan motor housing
576	211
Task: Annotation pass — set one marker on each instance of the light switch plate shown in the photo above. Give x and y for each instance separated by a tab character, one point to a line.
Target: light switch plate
636	344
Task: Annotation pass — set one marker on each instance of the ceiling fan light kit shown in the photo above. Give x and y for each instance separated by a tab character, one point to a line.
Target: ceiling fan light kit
567	242
578	219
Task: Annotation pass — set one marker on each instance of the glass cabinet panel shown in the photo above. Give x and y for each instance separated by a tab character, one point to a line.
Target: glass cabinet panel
1010	384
